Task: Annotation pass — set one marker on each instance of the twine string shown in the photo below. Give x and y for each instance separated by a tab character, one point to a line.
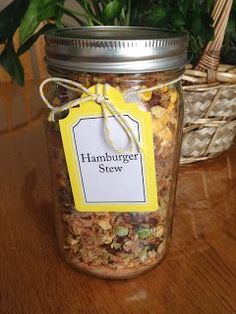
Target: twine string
103	101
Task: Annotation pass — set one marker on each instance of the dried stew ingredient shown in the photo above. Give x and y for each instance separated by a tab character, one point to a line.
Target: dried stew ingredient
121	245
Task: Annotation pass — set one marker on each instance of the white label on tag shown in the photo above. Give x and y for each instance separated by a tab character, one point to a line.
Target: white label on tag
107	176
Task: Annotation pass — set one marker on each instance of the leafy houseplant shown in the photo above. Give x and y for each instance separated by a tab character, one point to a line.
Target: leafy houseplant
28	16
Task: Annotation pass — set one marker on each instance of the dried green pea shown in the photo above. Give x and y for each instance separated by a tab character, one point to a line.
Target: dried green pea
143	233
122	231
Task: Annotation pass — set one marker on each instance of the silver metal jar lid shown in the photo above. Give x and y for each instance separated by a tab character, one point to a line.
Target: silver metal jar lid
115	49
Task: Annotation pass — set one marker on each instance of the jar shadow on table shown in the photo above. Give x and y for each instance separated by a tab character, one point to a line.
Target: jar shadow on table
204	211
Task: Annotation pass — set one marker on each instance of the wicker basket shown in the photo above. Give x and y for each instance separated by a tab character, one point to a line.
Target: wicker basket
210	98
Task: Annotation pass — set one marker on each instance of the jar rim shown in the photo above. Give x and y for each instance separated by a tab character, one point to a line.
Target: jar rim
115	49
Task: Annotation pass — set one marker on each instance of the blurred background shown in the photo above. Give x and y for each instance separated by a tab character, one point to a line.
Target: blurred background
193	17
32	60
209	24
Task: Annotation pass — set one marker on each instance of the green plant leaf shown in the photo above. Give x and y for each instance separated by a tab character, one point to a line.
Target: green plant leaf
111	11
37	12
158	16
178	19
183	6
10	18
11	63
30	21
5	21
196	25
30	41
50	10
231	29
138	12
208	5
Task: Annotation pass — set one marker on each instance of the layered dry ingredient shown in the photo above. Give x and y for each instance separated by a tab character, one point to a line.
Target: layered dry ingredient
121	245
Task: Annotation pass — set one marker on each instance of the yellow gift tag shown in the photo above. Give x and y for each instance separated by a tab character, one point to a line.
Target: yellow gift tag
102	179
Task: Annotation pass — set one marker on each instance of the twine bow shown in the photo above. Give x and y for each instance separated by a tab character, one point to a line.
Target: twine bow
105	104
102	100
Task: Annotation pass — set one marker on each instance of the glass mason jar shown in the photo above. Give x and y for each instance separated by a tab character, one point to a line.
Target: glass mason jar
143	65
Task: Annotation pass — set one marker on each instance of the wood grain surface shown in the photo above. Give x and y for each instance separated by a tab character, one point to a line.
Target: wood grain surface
197	276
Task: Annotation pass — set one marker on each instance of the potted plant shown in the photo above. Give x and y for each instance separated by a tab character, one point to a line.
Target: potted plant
33	18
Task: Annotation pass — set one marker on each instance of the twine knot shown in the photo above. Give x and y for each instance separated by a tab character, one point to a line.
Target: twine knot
103	101
100	99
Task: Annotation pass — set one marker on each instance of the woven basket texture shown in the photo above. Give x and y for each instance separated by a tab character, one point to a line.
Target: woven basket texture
209	122
210	97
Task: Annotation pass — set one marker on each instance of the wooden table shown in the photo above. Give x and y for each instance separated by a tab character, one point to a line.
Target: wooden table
197	276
